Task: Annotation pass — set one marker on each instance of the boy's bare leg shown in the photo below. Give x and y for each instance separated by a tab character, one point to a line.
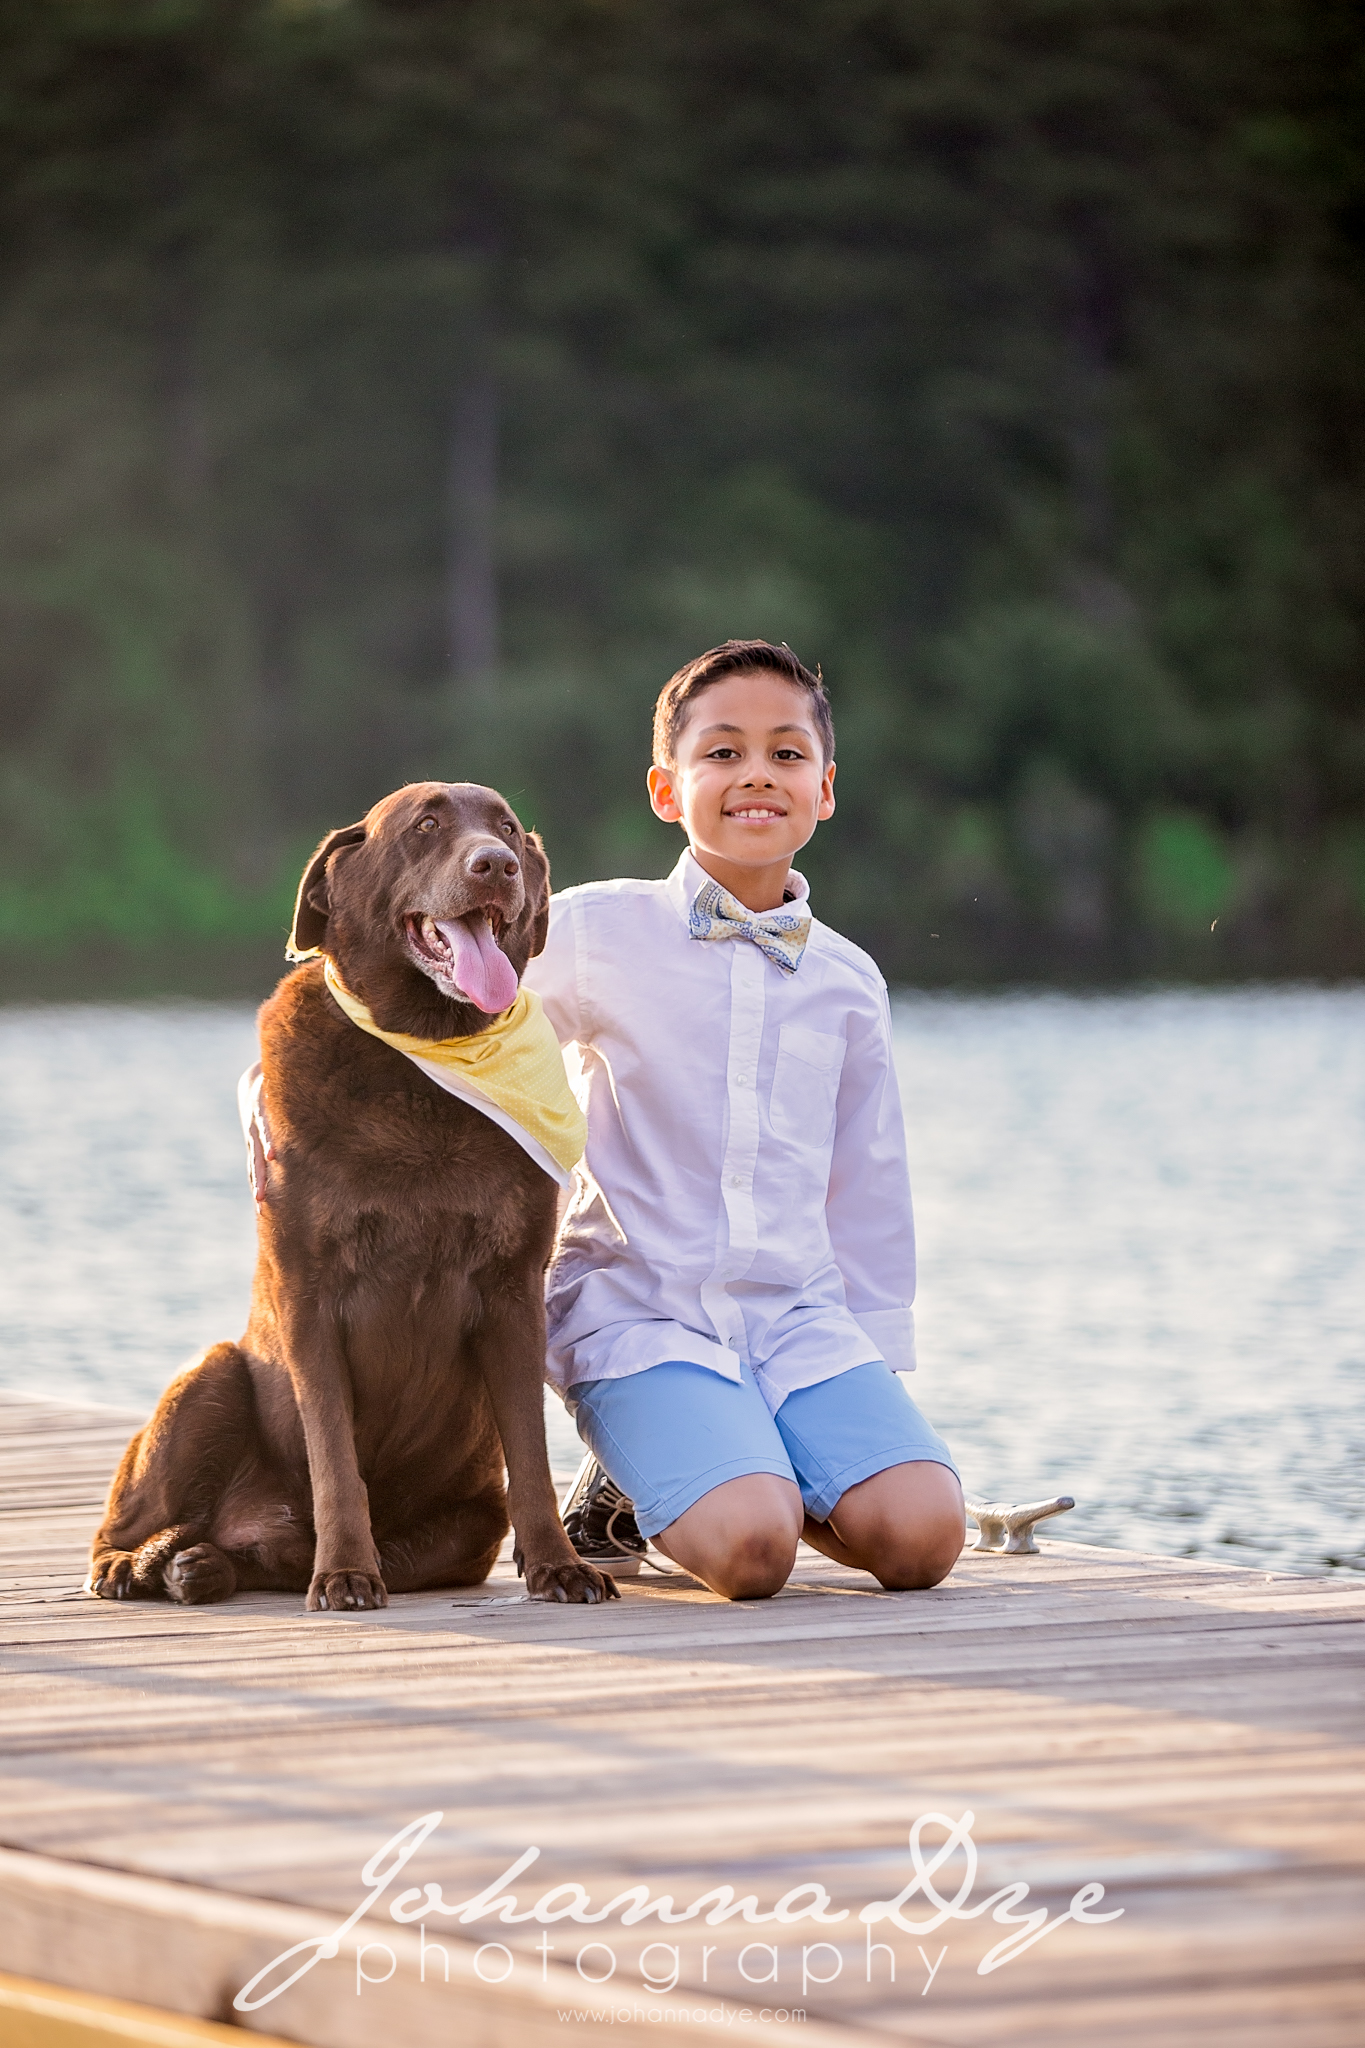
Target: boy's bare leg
905	1525
740	1538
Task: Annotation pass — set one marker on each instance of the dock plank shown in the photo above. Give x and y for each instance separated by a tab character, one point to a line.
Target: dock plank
1188	1735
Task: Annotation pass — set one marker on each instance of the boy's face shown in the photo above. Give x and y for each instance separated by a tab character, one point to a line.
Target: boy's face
750	783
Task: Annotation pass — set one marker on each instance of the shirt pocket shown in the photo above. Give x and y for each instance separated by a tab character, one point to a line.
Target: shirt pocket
805	1086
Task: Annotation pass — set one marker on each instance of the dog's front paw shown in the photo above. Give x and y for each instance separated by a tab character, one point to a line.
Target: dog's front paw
111	1577
575	1581
342	1592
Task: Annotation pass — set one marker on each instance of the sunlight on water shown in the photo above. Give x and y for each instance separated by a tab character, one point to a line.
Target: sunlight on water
1141	1275
1141	1272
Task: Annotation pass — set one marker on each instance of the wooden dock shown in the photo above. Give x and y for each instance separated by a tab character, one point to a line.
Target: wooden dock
186	1793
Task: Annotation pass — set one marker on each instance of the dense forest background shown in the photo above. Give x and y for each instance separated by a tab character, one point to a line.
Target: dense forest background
403	388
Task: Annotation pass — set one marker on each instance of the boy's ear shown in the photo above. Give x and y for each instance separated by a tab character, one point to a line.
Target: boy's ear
663	796
312	905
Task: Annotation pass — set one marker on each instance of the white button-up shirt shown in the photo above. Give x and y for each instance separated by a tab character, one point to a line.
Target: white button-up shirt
744	1194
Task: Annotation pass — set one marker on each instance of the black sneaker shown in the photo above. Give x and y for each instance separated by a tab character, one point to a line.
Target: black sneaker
600	1522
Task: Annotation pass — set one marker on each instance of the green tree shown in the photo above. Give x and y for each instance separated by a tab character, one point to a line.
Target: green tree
391	388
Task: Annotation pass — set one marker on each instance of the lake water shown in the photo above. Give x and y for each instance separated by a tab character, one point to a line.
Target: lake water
1141	1278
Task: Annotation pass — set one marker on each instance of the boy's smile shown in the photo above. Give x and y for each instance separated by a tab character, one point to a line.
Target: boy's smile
750	783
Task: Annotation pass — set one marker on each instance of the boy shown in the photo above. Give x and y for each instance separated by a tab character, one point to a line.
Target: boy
730	1298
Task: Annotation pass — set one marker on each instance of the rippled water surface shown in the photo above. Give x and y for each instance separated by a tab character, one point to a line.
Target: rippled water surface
1141	1276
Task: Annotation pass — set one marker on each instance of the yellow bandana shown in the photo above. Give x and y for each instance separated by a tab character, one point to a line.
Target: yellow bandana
512	1073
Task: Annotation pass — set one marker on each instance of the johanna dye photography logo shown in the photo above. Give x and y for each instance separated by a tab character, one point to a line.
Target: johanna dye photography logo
919	1908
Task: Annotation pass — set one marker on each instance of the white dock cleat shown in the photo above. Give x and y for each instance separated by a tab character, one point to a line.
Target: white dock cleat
1009	1530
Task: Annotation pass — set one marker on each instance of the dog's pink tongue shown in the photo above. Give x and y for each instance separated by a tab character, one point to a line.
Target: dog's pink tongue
482	969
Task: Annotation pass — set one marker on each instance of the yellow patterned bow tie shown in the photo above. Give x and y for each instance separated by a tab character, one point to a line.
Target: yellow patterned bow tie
780	934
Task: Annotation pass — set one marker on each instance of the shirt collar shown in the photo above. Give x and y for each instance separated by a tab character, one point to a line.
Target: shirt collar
689	877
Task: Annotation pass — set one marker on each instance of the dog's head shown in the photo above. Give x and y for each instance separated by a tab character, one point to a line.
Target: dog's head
430	907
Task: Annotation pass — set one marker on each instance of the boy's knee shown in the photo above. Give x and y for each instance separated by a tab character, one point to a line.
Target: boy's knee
739	1539
757	1564
909	1560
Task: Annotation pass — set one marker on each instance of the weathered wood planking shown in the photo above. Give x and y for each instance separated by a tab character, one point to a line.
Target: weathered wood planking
1190	1736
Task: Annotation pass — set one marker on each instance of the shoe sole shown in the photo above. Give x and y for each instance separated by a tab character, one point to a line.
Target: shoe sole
616	1562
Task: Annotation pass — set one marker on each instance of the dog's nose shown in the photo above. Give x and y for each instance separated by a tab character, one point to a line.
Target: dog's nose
487	862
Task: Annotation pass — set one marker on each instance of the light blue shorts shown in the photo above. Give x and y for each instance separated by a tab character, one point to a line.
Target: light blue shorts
667	1435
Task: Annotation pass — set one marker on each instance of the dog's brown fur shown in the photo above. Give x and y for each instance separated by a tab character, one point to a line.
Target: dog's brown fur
352	1443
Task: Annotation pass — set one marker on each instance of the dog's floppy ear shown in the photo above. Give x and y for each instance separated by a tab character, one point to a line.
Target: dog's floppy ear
538	874
311	905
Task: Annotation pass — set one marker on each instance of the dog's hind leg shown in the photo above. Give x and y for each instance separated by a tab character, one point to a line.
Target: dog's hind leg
172	1476
456	1547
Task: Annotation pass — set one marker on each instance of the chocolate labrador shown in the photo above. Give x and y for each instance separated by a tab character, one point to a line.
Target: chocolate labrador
352	1444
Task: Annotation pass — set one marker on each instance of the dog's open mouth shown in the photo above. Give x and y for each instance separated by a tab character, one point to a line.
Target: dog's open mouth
463	957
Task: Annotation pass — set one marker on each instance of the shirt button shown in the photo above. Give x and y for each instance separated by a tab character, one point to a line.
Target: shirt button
741	1080
736	1180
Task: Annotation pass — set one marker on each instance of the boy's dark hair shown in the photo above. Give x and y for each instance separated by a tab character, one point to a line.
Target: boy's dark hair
734	658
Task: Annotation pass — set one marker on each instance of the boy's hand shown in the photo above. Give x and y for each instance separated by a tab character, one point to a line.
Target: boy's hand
256	1131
